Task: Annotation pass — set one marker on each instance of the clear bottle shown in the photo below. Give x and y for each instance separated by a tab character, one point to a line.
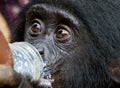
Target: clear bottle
27	60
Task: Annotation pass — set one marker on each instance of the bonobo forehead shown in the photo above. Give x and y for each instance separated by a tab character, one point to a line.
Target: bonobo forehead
51	11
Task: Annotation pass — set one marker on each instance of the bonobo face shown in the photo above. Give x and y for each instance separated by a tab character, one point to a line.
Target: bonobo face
76	39
52	32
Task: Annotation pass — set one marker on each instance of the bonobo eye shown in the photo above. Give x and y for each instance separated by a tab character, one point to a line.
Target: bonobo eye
36	26
63	32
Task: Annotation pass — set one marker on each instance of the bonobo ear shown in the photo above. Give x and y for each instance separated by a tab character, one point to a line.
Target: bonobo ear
114	67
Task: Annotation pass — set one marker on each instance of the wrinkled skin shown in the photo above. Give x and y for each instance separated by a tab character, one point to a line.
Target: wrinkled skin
77	40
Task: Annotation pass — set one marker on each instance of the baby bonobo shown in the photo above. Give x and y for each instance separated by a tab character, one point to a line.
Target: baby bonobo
76	39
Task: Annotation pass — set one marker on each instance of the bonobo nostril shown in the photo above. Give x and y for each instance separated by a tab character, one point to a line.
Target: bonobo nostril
41	52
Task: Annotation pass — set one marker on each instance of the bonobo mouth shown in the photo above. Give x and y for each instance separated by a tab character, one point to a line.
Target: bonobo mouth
51	75
50	72
45	80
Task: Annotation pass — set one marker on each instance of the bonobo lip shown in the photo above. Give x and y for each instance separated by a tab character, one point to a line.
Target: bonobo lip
45	78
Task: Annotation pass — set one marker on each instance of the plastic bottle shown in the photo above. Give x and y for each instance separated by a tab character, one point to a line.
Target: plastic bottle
27	60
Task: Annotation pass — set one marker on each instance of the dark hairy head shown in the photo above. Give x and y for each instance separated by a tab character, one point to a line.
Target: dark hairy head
76	38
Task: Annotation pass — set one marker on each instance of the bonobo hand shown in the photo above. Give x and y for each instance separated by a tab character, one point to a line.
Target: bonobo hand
8	77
